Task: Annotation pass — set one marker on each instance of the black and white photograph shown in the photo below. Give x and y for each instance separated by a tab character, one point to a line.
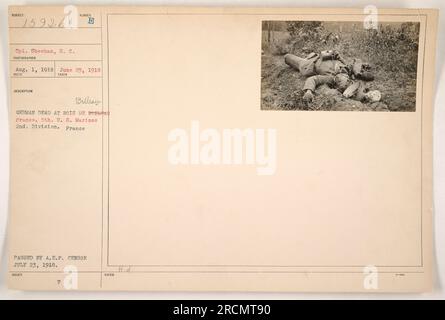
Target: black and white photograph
339	66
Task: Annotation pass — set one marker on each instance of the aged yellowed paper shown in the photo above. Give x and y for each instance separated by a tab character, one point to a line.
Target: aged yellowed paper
204	149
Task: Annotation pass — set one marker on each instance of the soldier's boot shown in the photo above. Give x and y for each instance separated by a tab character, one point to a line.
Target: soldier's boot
308	96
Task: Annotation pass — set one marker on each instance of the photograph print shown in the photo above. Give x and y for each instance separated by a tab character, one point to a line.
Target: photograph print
339	66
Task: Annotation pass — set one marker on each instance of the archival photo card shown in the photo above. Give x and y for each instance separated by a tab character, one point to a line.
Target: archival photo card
143	157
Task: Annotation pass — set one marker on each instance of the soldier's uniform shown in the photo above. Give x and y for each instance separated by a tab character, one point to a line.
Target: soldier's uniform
325	68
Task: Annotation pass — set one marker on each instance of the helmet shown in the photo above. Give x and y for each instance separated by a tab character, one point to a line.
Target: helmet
374	96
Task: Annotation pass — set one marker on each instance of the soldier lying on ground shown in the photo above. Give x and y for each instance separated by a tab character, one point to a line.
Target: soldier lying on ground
329	68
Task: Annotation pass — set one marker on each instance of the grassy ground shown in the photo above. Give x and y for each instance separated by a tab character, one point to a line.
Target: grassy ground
281	85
